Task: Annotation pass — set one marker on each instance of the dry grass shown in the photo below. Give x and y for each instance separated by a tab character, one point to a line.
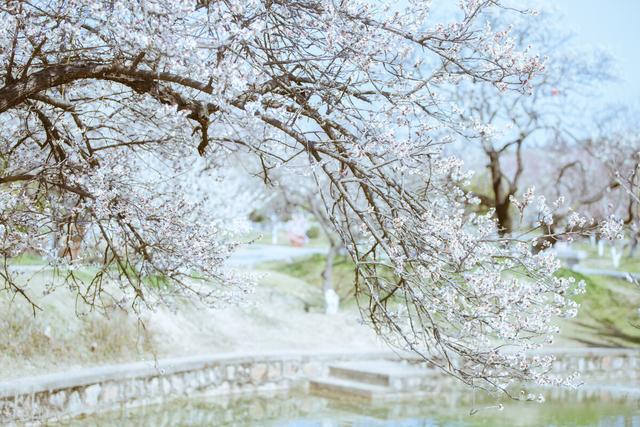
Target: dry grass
284	313
65	334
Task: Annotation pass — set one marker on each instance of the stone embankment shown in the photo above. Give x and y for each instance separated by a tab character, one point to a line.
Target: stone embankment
104	388
90	390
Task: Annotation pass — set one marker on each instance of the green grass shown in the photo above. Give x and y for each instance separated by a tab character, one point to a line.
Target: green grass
593	260
26	259
58	337
291	288
626	264
608	314
309	270
586	247
630	264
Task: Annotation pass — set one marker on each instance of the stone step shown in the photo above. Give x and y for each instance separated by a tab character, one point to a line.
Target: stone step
395	375
338	387
345	373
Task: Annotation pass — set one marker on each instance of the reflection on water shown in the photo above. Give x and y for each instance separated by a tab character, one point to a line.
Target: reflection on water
301	410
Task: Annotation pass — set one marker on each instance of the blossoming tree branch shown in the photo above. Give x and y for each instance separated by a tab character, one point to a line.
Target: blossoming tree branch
105	104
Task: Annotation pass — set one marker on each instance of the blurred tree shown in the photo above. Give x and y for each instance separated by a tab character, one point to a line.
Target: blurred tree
509	128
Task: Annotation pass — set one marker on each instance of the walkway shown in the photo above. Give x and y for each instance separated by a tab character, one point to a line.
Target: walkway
246	256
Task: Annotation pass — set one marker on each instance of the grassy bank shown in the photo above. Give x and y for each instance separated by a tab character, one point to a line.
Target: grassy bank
608	315
309	270
284	312
64	330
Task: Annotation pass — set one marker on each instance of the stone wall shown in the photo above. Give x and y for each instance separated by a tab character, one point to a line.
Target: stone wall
105	388
597	365
91	390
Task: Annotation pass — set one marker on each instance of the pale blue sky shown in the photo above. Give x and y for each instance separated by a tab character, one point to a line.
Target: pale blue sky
615	26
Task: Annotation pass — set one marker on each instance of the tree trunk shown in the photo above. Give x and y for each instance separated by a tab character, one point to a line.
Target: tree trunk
500	197
504	216
71	242
331	298
327	273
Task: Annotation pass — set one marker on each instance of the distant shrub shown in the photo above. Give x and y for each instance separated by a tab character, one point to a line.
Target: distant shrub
257	216
313	232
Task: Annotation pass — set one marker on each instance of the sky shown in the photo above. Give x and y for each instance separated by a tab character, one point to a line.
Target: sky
613	25
609	25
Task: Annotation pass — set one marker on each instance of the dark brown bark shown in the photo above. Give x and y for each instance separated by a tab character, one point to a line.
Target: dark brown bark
501	197
20	90
503	215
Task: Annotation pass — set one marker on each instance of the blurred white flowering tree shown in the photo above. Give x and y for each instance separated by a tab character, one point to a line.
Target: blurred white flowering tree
594	171
357	89
511	130
595	174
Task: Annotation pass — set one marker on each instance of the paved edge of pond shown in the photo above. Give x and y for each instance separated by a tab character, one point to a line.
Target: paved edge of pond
103	388
97	389
170	366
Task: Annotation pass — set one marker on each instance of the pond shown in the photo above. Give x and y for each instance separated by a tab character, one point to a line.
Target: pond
303	410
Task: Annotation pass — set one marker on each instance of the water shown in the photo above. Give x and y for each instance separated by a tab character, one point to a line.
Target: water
301	410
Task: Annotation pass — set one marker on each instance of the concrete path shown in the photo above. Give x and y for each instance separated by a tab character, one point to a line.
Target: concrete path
624	275
251	255
246	256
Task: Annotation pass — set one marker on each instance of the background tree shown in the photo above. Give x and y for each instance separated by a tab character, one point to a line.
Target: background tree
510	130
586	170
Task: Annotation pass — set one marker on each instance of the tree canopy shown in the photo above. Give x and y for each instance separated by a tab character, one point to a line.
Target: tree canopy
101	101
